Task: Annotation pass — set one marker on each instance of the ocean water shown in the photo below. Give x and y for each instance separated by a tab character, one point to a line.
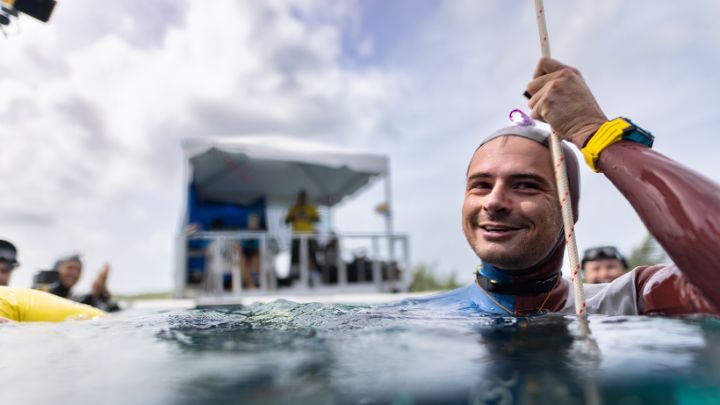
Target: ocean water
288	353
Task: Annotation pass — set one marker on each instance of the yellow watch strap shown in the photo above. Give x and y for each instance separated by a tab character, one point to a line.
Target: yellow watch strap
608	133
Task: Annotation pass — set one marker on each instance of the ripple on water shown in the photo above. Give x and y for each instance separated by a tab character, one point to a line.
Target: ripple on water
317	353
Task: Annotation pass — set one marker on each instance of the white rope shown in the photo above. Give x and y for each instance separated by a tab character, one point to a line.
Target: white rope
561	181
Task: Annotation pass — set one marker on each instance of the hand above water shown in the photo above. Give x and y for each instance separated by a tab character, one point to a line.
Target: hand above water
561	98
99	286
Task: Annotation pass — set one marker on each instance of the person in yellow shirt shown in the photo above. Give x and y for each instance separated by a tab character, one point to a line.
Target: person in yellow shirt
302	216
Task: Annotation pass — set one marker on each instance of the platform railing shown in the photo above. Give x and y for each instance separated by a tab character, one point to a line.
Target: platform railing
223	252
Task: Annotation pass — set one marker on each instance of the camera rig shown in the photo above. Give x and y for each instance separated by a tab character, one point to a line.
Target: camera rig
38	9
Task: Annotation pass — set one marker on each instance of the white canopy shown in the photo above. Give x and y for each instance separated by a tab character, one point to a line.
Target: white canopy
243	169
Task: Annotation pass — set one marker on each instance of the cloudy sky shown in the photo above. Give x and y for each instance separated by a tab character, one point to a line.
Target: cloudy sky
93	106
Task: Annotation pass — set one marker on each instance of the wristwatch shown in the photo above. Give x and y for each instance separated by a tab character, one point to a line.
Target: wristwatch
619	129
636	134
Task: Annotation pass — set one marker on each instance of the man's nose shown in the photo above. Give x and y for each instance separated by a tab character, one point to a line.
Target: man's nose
498	199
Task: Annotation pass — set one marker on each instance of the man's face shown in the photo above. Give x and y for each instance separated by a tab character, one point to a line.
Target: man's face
603	270
5	272
511	216
69	273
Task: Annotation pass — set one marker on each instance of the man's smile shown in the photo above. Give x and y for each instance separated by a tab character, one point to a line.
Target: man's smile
496	232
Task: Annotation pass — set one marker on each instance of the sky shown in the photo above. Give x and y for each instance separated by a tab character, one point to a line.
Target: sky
93	106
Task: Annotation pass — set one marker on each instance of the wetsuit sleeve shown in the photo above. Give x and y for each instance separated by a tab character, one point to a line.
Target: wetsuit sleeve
680	209
103	302
664	289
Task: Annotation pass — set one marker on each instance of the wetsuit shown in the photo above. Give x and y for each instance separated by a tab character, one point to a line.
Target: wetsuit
680	209
103	302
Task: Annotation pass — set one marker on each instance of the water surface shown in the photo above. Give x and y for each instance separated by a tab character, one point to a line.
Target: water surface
334	354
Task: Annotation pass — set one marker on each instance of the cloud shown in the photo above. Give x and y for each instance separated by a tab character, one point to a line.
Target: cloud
94	105
96	102
27	218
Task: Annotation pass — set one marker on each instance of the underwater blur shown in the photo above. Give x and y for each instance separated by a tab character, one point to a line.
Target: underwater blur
285	352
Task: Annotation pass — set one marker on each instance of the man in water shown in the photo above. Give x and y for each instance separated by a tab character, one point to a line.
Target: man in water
511	213
8	261
603	264
69	269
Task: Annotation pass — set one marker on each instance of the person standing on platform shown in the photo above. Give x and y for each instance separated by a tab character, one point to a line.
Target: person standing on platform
302	216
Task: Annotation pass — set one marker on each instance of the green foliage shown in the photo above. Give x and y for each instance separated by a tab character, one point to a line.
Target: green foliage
648	252
145	296
425	280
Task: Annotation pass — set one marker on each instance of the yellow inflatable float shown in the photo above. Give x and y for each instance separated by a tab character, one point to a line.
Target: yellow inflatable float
28	305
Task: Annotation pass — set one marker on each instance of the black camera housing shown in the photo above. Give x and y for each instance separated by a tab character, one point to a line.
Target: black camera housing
40	9
44	279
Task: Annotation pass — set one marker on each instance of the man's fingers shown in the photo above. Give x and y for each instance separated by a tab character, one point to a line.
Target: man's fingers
548	65
101	278
549	69
537	96
535	113
536	104
534	86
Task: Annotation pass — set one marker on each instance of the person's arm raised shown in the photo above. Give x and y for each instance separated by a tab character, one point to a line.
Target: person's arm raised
679	206
561	98
99	287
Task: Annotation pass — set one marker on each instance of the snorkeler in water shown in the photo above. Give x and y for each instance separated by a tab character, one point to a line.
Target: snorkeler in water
603	264
511	214
67	271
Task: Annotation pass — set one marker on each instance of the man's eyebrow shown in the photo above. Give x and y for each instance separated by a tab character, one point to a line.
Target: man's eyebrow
479	175
529	176
515	176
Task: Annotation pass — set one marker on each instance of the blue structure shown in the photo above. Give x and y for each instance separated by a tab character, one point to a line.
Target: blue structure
215	216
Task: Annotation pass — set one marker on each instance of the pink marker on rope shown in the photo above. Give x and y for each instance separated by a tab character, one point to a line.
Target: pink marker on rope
561	180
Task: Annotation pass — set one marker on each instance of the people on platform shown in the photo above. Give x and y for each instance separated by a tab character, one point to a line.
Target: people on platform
303	216
250	254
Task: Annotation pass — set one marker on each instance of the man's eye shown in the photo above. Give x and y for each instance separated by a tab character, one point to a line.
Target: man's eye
482	185
527	186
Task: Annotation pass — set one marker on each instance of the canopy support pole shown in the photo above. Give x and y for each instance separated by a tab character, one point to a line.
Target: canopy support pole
390	231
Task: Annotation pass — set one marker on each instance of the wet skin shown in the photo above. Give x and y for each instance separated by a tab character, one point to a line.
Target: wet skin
510	215
69	273
603	270
5	273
